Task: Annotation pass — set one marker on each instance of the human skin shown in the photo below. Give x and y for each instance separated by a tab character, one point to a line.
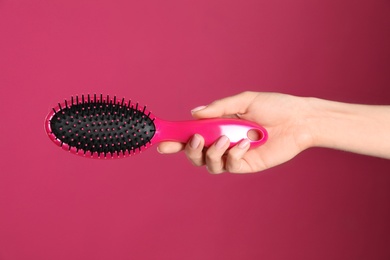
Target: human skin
294	124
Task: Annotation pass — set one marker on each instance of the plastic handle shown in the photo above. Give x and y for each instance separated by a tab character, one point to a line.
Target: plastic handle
211	129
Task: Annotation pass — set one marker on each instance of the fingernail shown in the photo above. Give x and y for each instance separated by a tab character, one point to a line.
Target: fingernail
243	144
221	142
158	150
197	109
195	141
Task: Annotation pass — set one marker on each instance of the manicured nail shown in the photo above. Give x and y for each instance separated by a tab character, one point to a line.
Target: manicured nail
195	141
221	142
243	144
197	109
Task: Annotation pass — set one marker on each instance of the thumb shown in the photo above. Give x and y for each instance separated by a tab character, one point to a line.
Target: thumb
228	106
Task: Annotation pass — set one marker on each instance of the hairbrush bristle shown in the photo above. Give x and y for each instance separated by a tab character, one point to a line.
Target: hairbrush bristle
102	126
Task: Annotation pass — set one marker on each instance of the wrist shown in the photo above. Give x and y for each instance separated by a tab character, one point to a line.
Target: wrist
320	116
318	120
305	118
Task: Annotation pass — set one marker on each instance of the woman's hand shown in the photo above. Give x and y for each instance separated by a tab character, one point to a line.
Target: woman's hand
282	115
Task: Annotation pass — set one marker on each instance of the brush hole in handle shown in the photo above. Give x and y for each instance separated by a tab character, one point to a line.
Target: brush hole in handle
254	135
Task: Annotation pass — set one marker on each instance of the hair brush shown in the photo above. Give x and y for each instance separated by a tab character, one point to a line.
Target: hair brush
104	127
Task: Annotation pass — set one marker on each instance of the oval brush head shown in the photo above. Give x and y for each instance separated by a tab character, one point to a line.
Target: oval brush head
100	126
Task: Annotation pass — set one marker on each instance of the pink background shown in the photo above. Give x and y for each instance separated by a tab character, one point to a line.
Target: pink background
174	56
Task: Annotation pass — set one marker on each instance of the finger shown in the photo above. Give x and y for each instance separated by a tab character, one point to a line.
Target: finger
170	147
235	162
233	105
194	150
214	155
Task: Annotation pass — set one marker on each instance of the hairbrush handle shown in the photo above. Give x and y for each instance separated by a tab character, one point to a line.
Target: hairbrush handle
210	129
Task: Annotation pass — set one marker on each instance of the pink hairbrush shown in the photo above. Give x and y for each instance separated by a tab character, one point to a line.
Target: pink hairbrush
101	127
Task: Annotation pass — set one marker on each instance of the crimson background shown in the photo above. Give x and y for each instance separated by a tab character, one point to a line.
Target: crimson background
173	56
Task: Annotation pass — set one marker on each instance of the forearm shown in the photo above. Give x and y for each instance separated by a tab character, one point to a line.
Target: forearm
363	129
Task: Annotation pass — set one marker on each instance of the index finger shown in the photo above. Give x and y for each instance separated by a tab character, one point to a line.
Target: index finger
237	104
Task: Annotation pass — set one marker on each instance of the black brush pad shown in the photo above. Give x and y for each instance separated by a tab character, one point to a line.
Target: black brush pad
103	128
